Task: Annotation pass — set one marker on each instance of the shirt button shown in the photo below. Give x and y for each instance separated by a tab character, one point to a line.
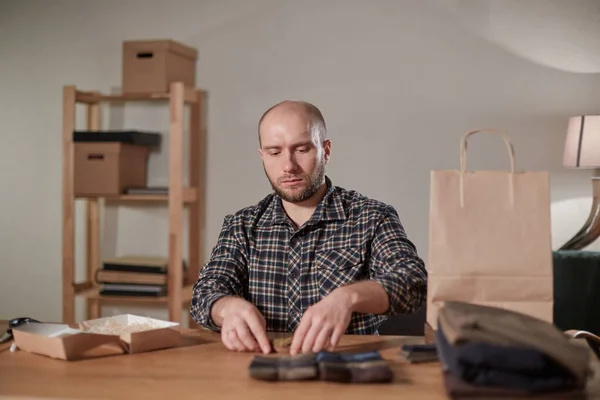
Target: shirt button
294	274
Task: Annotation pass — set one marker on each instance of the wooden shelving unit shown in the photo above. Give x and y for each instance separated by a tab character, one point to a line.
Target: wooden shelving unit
179	197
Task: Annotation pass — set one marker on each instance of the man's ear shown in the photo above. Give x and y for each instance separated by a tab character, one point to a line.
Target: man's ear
326	149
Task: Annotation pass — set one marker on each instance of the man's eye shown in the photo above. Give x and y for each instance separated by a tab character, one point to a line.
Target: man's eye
303	149
274	153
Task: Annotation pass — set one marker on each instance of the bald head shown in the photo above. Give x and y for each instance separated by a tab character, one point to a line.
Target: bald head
294	149
296	109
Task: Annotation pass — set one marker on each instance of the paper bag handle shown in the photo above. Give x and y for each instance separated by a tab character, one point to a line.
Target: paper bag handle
507	141
463	161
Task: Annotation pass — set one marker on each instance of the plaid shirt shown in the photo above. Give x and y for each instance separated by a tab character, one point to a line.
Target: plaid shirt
282	270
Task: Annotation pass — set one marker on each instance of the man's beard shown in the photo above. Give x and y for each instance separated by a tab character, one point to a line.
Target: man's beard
314	182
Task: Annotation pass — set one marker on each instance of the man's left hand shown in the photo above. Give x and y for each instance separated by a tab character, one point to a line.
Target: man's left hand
323	323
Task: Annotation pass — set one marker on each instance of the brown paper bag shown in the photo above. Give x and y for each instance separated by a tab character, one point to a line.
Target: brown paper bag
490	238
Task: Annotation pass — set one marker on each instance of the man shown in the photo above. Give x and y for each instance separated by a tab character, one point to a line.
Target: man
310	258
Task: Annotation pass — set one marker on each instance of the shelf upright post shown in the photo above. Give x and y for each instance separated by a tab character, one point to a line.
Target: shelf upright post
93	222
68	206
175	272
196	172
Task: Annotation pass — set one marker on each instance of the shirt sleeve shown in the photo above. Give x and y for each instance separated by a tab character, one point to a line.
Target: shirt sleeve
225	274
397	267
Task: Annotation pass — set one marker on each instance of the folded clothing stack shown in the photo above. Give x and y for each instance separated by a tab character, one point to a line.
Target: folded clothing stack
488	351
284	368
355	368
367	367
419	353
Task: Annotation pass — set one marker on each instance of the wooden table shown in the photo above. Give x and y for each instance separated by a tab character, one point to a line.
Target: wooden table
202	368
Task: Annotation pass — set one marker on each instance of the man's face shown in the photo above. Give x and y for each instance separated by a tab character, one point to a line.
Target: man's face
294	159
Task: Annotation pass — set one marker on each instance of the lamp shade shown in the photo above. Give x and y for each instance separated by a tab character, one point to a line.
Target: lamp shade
582	144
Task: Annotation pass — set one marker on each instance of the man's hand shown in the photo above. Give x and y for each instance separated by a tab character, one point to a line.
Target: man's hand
323	323
243	327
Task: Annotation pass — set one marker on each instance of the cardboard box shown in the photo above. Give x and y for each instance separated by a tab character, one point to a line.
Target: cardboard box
109	168
63	342
152	65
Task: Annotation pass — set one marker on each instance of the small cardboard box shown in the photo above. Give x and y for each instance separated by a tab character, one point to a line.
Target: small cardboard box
152	65
132	334
109	168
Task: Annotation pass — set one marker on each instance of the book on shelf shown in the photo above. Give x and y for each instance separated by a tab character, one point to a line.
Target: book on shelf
135	276
135	263
119	289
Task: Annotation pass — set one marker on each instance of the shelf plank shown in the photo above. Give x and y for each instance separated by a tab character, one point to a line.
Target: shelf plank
190	195
93	294
190	96
82	287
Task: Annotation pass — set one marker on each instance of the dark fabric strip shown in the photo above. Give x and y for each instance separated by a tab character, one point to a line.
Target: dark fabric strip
580	140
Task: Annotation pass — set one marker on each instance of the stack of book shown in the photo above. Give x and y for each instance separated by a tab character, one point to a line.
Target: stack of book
134	276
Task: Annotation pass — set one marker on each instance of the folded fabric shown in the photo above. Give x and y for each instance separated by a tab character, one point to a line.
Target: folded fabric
457	389
280	343
367	367
516	368
465	322
419	353
419	348
284	368
418	358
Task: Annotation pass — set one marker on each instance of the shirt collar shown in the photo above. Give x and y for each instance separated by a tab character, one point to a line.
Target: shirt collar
330	208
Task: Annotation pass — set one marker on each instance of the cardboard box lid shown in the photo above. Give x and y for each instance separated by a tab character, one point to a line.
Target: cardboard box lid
161	45
135	334
62	342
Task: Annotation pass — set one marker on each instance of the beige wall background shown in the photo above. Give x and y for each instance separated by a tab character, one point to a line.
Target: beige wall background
399	82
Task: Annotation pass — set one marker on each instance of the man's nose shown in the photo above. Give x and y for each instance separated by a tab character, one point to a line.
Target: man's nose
289	162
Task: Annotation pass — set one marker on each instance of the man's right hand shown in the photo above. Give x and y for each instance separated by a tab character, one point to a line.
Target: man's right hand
243	328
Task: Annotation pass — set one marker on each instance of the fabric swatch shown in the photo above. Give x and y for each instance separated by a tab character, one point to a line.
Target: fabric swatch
368	367
284	368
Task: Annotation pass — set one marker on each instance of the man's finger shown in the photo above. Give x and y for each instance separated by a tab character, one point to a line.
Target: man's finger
311	335
226	341
322	339
259	333
246	338
337	333
298	339
234	340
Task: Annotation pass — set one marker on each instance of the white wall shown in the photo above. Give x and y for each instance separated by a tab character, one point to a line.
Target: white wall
399	82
